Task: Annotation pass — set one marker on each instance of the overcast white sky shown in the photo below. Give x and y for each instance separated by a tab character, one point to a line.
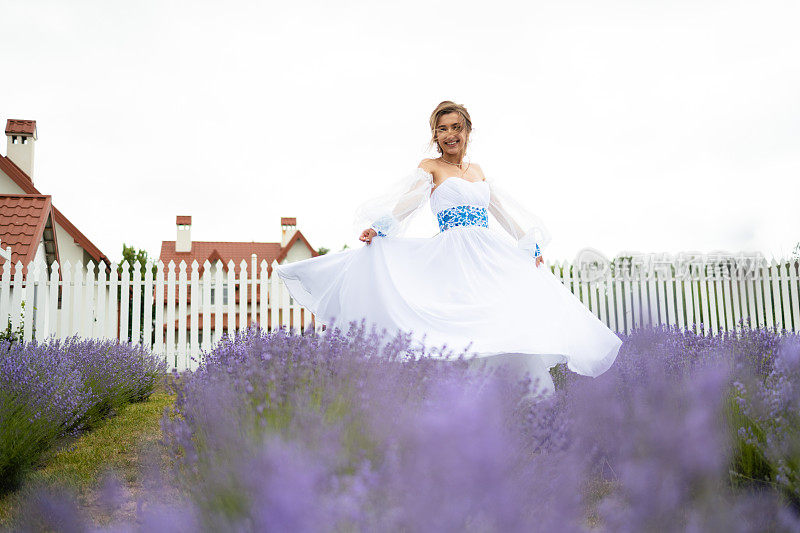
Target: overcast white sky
652	126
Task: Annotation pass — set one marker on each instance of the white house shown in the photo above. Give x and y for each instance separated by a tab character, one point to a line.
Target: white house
293	247
26	229
17	179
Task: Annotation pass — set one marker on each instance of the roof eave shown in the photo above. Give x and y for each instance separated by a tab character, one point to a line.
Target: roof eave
9	168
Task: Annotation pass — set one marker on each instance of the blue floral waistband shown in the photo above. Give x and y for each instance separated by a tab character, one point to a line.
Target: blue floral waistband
462	215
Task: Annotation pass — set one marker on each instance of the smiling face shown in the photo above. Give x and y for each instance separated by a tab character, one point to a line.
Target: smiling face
452	135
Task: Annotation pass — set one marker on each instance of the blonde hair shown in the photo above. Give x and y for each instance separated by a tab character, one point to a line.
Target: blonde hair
442	109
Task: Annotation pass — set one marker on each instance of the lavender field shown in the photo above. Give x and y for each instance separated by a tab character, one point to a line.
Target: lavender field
344	431
54	389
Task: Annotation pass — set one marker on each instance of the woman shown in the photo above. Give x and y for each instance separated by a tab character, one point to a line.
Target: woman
465	287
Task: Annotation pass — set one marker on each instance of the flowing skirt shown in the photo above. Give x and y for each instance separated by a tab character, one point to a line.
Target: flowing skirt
464	288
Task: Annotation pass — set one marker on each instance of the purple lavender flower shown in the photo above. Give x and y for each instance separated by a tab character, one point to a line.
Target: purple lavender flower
52	388
352	430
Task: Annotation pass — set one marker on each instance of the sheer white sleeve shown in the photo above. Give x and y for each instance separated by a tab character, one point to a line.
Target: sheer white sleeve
390	212
525	227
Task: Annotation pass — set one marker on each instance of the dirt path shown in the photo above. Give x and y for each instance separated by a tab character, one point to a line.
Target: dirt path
108	472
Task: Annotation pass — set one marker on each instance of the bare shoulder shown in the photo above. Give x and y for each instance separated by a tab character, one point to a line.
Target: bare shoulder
427	165
477	167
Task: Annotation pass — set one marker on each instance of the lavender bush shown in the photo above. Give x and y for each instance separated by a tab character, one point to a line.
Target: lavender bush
768	414
54	388
352	431
348	431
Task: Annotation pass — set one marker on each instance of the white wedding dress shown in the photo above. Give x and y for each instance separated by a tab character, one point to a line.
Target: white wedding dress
466	284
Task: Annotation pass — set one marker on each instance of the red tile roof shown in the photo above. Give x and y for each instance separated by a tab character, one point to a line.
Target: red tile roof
183	220
226	251
20	127
24	182
23	218
298	236
10	169
288	221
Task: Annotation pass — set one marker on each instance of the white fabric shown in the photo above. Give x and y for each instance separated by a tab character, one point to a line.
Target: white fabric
463	286
391	211
524	226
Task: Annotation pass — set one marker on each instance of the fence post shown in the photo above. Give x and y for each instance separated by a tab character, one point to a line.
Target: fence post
5	293
16	303
42	310
783	273
102	297
794	281
124	301
242	296
52	322
113	307
264	295
136	318
183	361
736	293
231	291
30	304
88	299
170	321
273	297
160	304
196	300
147	312
219	299
253	293
206	344
727	297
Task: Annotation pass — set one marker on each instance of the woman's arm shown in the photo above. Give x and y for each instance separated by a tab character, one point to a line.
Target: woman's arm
525	227
389	213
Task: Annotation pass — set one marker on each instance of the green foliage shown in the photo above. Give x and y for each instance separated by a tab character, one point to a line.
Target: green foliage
53	389
131	255
749	466
14	335
322	250
116	444
24	439
10	334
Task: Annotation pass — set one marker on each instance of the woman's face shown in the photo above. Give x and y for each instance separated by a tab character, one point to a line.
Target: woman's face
451	134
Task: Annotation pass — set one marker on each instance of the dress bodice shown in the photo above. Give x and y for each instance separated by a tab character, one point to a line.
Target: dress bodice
454	202
460	202
455	191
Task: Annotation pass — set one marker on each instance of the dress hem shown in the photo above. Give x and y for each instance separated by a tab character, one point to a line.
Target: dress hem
304	297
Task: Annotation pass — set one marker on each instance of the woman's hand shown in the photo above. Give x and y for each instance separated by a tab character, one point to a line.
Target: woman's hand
539	261
367	235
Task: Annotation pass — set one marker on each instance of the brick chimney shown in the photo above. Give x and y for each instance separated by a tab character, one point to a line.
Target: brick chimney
21	138
183	240
288	228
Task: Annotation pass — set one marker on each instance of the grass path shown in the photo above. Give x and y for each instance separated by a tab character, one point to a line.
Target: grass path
118	444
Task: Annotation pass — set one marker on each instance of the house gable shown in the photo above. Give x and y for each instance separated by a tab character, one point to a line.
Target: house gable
24	185
26	226
298	237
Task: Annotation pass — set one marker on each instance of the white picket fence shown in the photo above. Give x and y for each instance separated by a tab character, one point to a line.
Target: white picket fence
707	295
87	301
